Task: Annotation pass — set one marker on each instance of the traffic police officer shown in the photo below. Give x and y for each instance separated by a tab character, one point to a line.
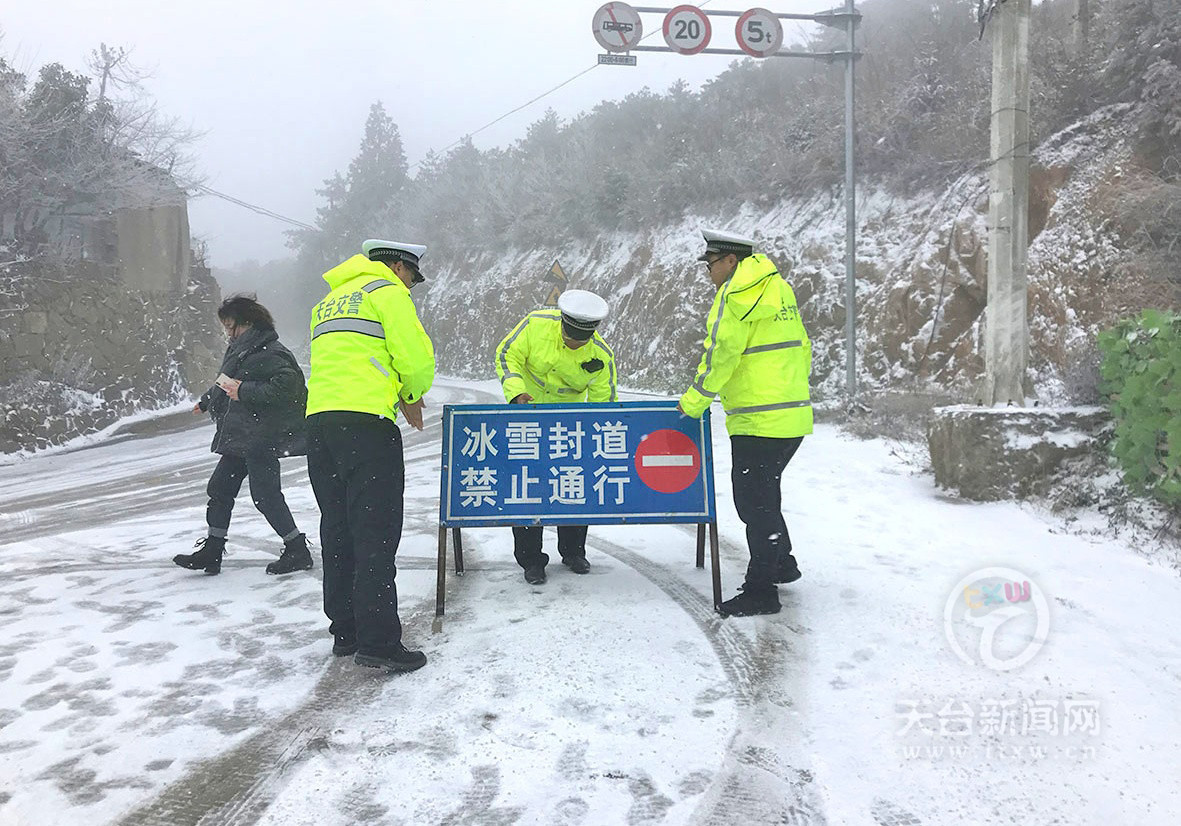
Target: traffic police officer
370	358
758	359
556	356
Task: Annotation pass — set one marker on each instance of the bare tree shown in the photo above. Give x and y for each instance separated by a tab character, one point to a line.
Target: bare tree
133	133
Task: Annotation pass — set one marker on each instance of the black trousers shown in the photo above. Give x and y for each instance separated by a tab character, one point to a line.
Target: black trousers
527	544
757	469
265	490
356	468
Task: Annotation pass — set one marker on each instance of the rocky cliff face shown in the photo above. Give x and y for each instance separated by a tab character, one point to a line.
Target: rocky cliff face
80	349
921	281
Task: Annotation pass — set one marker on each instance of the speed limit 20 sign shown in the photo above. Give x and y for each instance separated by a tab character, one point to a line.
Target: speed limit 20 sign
759	33
686	29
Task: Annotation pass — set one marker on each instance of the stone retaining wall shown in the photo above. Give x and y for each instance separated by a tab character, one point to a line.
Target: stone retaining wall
80	349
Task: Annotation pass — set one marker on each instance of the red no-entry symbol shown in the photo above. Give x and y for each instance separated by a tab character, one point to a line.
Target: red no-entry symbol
667	461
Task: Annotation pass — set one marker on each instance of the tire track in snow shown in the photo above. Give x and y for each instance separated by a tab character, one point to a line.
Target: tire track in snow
81	504
237	787
410	563
884	812
753	784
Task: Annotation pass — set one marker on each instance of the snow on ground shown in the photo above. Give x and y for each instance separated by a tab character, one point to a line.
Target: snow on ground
134	692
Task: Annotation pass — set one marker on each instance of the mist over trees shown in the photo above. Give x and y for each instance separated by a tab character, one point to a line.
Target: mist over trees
764	130
271	283
71	141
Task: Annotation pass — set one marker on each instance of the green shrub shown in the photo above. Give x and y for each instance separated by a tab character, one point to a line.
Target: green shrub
1141	372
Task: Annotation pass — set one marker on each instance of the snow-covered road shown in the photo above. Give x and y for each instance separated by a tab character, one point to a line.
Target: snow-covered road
134	692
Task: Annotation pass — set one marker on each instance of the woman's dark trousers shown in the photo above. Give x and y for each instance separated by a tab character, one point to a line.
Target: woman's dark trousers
265	490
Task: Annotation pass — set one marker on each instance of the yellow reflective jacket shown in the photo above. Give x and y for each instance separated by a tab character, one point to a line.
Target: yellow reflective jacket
757	356
534	359
368	347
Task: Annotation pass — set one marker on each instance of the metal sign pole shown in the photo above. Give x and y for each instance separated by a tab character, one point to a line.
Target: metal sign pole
619	29
441	573
850	211
715	563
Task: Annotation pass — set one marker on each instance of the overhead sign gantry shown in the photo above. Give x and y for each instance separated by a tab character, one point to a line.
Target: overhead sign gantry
758	32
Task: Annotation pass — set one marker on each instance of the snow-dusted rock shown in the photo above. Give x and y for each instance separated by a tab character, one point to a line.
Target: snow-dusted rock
991	453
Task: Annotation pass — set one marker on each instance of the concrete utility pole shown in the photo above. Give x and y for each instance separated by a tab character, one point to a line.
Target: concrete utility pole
1082	24
1006	329
850	208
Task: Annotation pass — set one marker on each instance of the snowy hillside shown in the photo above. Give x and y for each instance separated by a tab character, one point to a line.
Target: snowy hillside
922	279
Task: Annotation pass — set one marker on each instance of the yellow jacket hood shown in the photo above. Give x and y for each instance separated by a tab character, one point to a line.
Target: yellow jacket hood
359	267
753	293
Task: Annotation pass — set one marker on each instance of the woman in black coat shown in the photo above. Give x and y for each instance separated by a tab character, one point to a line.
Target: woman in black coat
258	405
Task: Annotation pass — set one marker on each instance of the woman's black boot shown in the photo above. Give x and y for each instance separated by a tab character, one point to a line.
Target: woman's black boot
206	558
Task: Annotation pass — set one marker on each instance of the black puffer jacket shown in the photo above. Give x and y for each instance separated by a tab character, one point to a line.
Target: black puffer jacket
272	399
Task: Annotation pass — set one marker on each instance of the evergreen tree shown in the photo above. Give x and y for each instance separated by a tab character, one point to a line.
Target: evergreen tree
765	129
378	173
356	201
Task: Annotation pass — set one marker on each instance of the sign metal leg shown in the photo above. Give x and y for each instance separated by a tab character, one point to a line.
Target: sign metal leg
455	537
701	545
713	560
441	582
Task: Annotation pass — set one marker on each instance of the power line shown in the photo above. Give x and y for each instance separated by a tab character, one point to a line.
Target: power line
261	210
278	217
507	114
544	94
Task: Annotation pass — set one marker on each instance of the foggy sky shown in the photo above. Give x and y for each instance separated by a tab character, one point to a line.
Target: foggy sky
282	90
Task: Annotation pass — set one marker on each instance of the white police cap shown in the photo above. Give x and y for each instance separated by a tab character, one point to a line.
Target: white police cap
377	250
724	243
388	252
581	313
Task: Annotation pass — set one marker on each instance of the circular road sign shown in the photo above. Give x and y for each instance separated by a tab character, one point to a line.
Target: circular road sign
759	32
617	27
686	29
667	461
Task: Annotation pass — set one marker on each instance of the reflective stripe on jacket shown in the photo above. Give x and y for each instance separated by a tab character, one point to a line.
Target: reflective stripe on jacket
757	356
534	359
368	347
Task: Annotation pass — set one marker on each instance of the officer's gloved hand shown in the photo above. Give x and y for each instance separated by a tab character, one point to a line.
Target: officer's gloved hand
521	398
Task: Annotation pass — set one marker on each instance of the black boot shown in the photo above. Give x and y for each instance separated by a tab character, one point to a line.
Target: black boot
786	570
295	557
577	564
344	644
207	558
392	658
751	603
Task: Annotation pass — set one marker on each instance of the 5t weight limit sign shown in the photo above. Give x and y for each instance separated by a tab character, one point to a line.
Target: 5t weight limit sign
686	29
759	33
